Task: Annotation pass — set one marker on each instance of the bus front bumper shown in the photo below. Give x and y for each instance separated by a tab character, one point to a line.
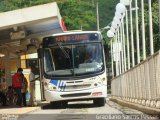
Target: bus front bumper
98	92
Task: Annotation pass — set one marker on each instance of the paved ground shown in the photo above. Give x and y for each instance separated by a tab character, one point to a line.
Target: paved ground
20	110
81	110
14	110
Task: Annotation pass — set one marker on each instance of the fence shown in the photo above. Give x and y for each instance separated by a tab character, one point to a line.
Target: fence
140	84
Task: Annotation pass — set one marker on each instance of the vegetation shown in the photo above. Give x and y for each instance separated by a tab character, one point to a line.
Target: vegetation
81	14
78	14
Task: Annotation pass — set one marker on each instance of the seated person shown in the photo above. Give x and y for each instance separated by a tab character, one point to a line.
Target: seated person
2	98
88	58
10	94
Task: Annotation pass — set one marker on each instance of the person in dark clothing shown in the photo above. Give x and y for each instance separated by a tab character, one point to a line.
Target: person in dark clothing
17	85
24	89
10	95
3	98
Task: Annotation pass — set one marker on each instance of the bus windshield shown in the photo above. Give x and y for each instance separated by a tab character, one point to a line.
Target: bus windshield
73	60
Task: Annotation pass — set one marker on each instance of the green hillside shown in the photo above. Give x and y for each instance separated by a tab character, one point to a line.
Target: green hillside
106	11
81	14
78	14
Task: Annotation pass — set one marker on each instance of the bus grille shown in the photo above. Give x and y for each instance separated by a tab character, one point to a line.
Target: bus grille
76	95
76	87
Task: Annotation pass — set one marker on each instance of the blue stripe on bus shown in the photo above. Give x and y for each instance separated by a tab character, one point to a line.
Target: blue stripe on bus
59	83
54	82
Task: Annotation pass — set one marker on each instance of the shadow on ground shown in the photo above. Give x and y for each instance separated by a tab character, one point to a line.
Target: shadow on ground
70	105
10	106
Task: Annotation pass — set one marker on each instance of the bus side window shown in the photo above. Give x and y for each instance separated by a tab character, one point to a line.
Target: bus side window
49	64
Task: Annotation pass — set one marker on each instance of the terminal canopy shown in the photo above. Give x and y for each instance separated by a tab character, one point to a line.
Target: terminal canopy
21	27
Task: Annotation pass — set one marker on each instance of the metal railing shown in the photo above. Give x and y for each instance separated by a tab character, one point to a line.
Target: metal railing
140	84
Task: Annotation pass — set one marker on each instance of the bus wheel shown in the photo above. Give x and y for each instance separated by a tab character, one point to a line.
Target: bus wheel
99	101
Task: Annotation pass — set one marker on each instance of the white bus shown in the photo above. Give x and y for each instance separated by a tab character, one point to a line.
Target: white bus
73	67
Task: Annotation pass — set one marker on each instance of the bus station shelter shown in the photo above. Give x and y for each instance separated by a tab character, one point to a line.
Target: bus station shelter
21	32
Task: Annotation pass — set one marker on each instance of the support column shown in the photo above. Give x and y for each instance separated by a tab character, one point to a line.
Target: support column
7	68
143	31
151	28
128	42
137	34
132	40
112	58
18	61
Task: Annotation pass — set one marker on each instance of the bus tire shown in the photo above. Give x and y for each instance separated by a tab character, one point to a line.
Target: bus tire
99	101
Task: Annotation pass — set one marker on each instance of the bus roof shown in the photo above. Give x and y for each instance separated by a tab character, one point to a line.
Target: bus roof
74	32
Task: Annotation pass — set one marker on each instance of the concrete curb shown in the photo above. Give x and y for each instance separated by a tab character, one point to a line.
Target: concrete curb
16	113
21	110
144	109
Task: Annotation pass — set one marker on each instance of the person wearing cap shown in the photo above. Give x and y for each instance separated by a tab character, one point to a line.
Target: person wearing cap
17	85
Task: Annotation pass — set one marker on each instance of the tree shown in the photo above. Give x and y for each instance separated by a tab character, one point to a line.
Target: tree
156	37
155	17
77	14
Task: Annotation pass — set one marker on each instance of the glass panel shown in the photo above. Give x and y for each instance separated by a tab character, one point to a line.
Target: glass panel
73	60
48	61
58	61
88	59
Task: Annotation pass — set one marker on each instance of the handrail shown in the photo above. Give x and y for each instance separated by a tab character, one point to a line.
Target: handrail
140	84
147	59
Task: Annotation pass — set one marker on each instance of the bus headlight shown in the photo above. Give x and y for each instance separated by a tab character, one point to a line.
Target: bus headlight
49	86
99	82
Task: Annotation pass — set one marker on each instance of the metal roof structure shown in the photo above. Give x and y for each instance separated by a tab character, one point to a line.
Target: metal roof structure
24	26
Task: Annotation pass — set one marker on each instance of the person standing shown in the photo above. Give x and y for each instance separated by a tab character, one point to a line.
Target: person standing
32	100
17	85
24	89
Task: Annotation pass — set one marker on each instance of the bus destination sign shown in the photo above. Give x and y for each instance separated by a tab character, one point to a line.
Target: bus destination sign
73	38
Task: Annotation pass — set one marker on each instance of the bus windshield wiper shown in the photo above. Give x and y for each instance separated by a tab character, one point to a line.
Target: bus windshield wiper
65	53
